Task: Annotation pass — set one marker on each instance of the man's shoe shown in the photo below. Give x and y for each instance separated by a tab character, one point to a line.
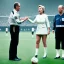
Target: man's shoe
62	58
15	59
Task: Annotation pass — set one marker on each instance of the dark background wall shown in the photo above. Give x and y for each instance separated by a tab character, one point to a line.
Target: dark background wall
30	7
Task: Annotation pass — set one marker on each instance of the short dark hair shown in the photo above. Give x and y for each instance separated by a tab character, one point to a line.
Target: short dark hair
16	4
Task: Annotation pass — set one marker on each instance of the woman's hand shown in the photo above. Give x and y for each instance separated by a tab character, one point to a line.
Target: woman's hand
24	18
48	31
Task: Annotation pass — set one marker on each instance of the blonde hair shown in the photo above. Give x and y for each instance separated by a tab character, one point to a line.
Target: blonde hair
43	7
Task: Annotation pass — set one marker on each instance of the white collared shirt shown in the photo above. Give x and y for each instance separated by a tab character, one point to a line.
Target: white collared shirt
14	18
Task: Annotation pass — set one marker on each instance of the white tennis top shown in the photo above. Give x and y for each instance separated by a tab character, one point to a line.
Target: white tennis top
42	24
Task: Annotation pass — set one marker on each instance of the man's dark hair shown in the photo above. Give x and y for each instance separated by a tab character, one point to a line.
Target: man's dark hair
16	4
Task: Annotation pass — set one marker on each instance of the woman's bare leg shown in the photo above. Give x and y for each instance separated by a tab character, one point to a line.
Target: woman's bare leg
38	37
44	37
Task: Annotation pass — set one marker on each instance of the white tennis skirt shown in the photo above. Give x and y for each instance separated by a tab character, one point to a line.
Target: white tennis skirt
42	31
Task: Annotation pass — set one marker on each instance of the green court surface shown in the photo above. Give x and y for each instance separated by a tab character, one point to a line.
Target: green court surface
26	49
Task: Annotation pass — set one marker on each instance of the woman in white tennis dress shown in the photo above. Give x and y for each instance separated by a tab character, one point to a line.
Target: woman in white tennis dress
43	29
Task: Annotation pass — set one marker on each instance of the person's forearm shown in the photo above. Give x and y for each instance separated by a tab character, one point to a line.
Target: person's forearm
22	19
19	21
54	25
48	30
35	22
53	28
30	20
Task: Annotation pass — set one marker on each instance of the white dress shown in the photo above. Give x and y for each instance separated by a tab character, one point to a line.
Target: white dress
42	24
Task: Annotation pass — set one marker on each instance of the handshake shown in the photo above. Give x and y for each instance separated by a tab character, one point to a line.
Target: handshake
24	18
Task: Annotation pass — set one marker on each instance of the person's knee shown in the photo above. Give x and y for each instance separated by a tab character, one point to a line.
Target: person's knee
37	41
45	45
44	42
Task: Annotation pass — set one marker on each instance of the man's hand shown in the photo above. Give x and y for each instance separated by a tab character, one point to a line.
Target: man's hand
24	18
53	31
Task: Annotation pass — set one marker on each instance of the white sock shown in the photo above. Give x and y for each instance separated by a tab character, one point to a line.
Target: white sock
57	53
45	52
62	53
36	52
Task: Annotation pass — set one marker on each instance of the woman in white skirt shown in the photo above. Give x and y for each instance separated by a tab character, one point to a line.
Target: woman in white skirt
43	29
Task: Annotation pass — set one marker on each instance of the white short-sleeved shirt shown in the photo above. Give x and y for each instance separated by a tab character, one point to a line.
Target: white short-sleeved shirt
42	24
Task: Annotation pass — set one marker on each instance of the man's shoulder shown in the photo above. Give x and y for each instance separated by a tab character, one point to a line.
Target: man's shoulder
63	14
37	15
12	11
56	15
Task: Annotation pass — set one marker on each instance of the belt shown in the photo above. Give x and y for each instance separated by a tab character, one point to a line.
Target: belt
59	25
